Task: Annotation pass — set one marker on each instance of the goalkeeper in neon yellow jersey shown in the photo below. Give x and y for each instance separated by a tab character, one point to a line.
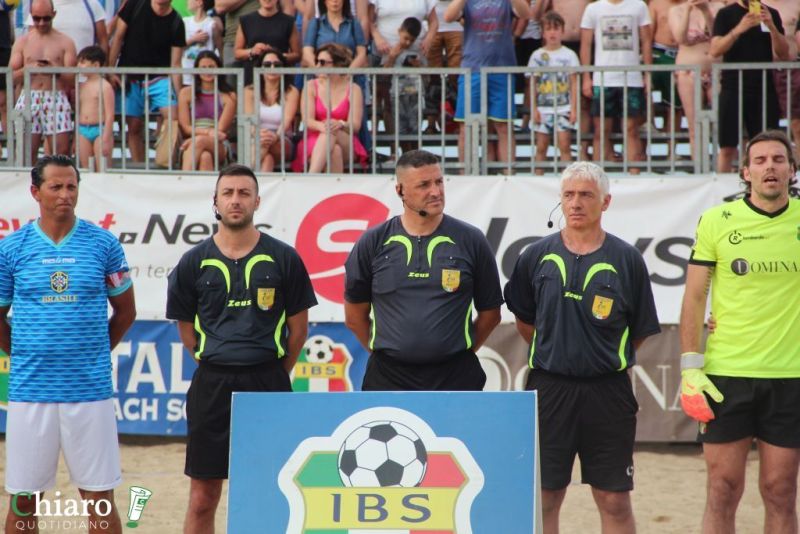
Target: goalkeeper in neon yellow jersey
745	383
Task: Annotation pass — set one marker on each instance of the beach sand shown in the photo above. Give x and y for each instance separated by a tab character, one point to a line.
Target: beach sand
668	498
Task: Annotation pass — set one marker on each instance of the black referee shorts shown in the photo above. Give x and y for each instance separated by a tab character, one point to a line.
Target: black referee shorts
764	408
208	411
594	418
458	372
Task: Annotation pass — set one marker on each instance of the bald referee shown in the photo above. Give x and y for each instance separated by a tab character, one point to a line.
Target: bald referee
412	284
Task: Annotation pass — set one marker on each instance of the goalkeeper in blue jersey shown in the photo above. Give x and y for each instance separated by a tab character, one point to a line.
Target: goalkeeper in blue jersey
57	276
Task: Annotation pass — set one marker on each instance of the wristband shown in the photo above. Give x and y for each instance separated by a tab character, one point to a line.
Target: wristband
692	360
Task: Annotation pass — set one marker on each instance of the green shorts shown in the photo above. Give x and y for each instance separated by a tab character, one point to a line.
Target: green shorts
662	81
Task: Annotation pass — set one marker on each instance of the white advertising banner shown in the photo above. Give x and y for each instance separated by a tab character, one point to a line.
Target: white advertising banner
158	218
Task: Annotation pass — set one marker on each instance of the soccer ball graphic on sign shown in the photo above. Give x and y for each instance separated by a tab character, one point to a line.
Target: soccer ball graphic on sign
382	454
319	349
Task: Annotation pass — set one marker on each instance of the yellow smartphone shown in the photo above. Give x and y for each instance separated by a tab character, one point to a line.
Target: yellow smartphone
754	6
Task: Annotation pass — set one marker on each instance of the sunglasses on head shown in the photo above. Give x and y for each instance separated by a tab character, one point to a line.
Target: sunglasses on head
272	64
46	18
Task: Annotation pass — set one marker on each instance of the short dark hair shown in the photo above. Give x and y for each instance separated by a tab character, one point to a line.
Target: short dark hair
553	19
92	53
236	170
412	26
414	159
59	160
766	135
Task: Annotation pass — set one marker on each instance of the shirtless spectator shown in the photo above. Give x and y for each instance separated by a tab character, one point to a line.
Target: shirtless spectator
83	21
665	50
691	24
95	112
790	10
43	46
572	11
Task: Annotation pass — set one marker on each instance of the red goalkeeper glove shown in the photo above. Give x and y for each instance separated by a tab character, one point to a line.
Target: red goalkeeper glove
695	385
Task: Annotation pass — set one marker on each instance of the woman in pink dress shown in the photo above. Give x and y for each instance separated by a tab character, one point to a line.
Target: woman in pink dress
331	107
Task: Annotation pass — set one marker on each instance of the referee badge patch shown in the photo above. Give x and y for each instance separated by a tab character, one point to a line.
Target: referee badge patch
601	307
451	278
265	298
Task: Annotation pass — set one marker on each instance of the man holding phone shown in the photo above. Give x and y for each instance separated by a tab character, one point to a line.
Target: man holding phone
44	46
746	32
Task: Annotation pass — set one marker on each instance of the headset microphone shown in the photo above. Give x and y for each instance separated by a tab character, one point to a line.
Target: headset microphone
422	212
217	216
550	217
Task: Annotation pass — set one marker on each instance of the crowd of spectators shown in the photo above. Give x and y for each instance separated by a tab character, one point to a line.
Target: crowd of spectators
328	121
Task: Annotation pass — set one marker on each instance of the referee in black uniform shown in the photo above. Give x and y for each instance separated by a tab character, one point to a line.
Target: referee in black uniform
583	301
241	300
411	286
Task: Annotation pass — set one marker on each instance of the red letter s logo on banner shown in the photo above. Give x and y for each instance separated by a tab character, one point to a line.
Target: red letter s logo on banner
327	234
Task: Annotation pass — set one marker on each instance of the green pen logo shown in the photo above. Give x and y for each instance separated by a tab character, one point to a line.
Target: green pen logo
139	497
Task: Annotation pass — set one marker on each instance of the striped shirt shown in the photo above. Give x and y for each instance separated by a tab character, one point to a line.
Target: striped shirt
59	311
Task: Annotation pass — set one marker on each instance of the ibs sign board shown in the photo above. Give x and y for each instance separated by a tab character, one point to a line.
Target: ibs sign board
444	462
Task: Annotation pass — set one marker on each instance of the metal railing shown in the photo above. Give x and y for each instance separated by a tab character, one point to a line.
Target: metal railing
667	150
670	163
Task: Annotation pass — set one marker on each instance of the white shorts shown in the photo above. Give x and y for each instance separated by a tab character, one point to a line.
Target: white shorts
50	112
85	431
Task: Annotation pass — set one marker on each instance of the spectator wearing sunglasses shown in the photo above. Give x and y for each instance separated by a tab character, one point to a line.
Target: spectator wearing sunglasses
43	46
277	102
332	107
83	21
